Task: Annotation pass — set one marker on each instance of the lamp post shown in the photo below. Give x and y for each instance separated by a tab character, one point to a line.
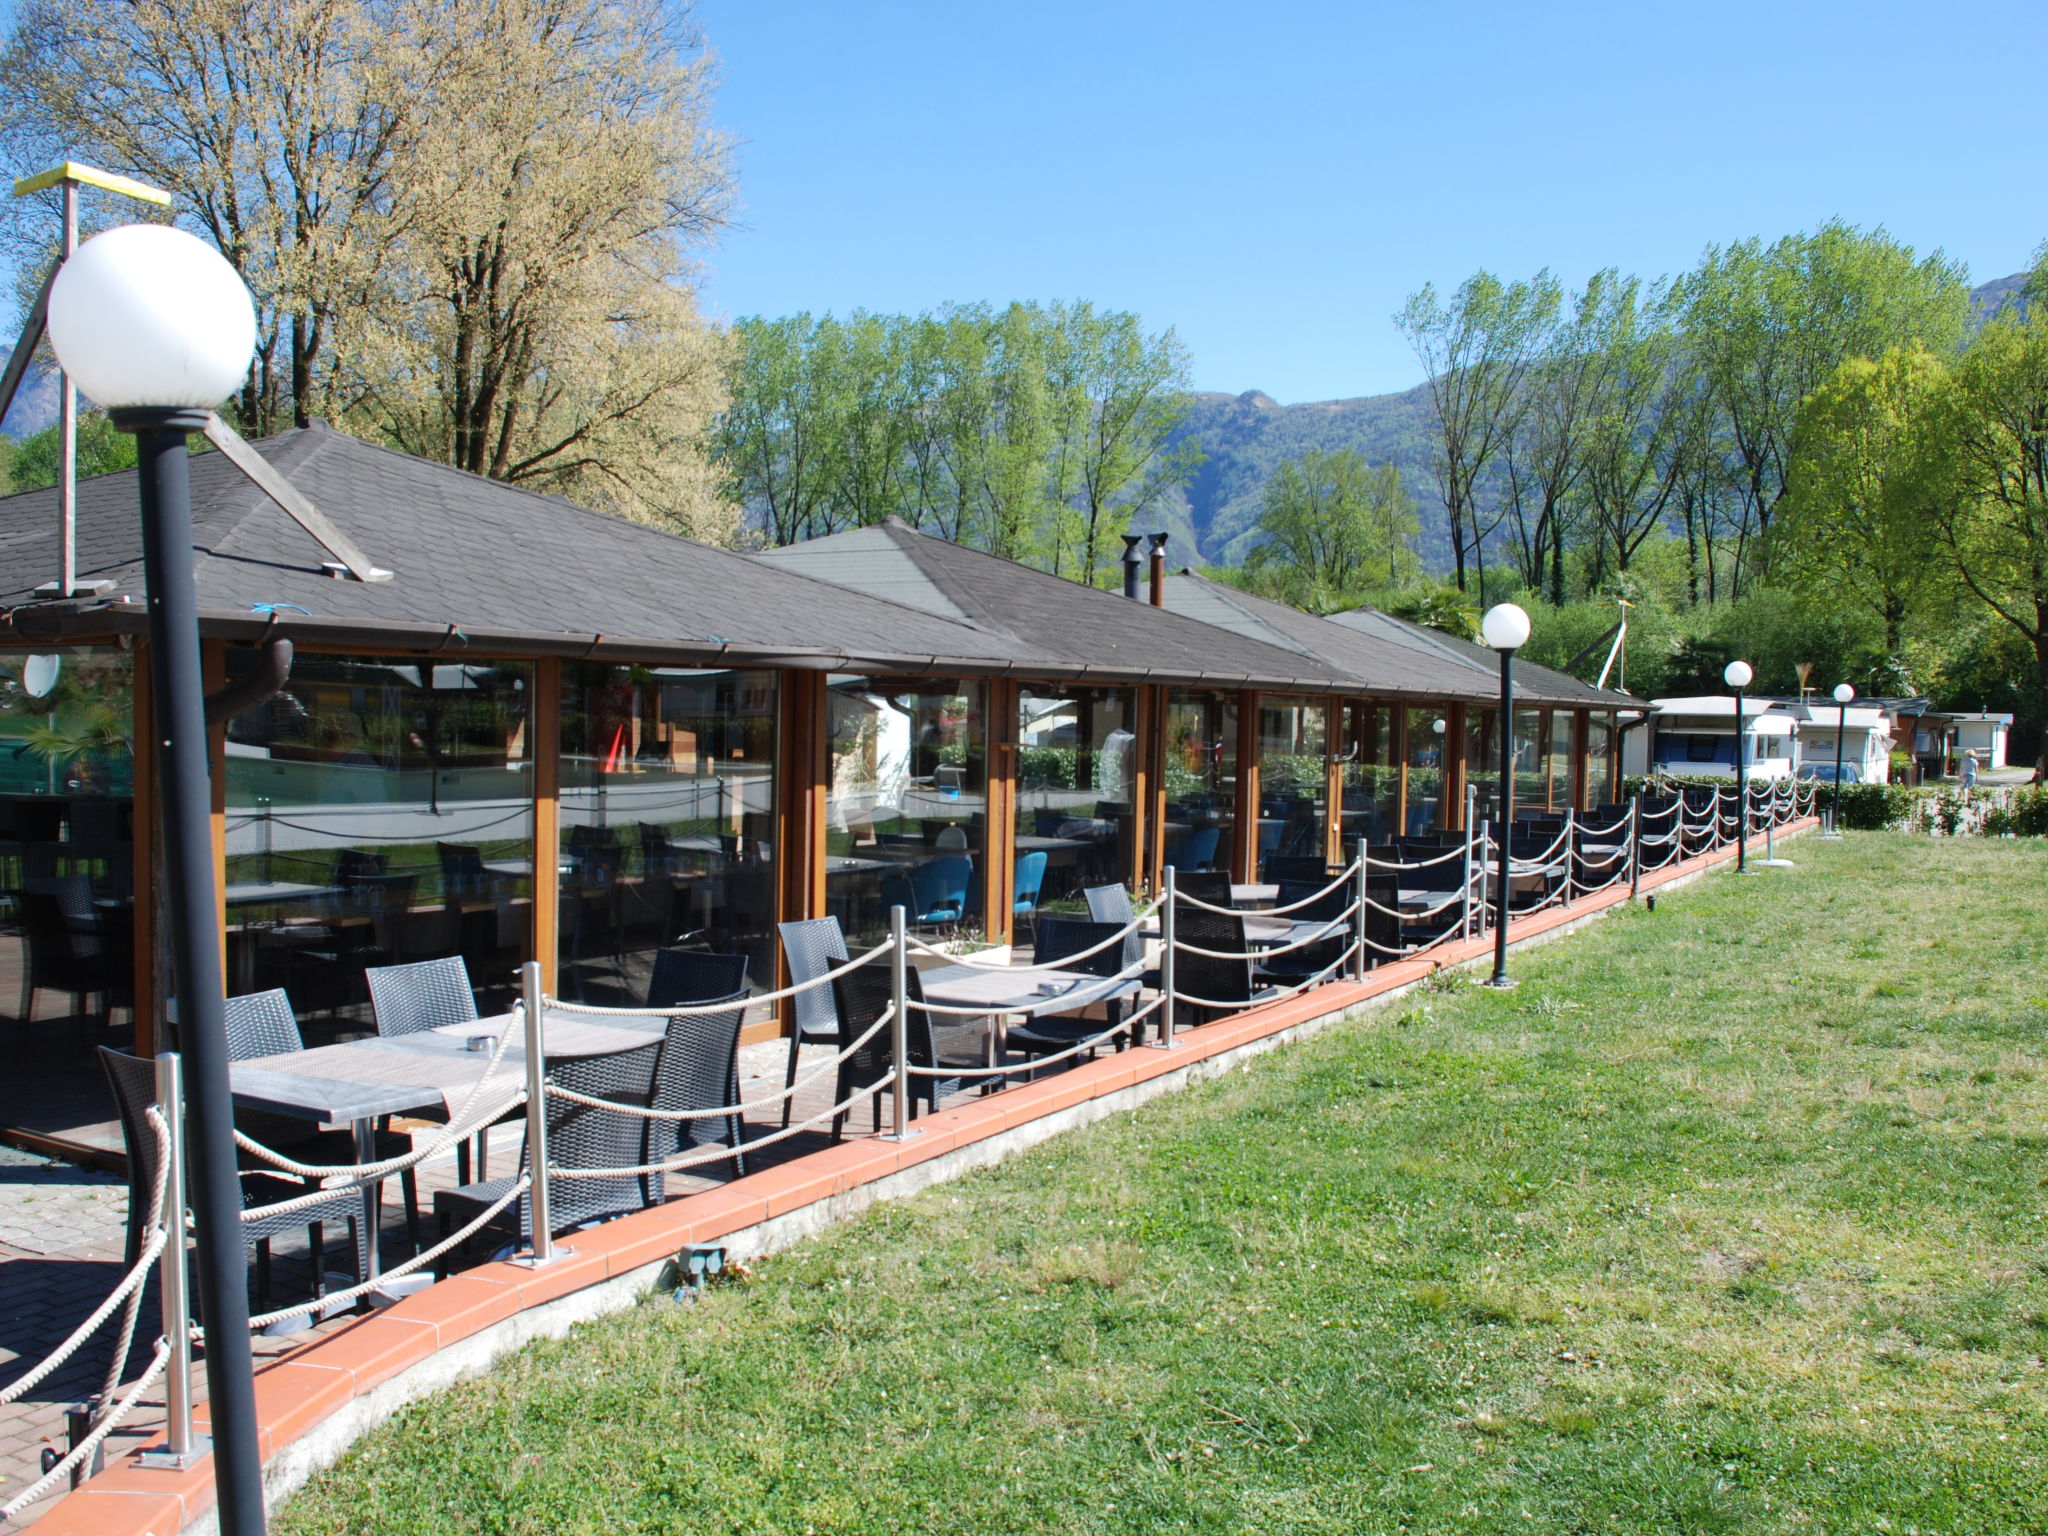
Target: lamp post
1737	676
1843	694
1505	629
156	327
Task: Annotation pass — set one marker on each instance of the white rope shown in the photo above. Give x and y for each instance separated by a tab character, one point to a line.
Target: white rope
1122	1026
719	1154
1386	864
130	1283
643	1112
1317	978
1348	877
79	1453
670	1010
1321	935
341	1298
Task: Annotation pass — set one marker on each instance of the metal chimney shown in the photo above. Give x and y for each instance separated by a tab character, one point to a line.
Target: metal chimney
1158	570
1132	560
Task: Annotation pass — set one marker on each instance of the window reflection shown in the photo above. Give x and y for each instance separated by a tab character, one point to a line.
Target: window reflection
906	815
379	811
1482	763
1558	756
668	803
1076	761
1372	776
1293	786
1428	748
1201	779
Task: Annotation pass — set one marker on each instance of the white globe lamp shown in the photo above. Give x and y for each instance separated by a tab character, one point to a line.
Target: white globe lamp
1505	627
147	315
1737	674
1844	693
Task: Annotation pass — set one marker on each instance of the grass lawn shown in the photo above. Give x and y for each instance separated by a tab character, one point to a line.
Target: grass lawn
1730	1219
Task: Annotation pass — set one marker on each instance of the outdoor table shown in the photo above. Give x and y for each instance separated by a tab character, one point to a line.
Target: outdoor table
1252	895
361	1081
1003	992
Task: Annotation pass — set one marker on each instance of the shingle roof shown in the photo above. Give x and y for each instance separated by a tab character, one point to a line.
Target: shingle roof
473	559
1540	685
1066	622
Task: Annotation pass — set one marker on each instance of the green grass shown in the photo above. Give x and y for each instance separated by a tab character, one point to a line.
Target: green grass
1730	1219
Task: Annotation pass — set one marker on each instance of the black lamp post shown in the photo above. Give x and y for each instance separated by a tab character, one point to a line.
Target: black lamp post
157	328
1506	629
1737	675
1843	694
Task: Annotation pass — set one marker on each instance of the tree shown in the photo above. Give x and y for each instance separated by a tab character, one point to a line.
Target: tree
1766	325
102	448
1858	517
1333	524
465	224
1989	442
1476	351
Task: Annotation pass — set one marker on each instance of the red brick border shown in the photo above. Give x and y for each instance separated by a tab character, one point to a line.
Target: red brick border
307	1387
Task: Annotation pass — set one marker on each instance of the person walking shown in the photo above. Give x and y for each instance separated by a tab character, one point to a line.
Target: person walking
1970	769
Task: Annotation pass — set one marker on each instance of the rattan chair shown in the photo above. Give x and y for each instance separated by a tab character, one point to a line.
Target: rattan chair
429	994
695	976
1317	960
1210	885
1224	985
579	1136
699	1068
1112	904
263	1024
58	957
811	948
861	997
1048	1034
133	1080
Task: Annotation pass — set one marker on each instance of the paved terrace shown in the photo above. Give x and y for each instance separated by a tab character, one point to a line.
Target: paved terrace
61	1234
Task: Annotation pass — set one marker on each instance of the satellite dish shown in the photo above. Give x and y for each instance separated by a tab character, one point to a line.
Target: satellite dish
39	675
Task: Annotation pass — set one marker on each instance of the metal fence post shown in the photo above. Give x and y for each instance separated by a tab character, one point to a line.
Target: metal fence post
1635	843
899	1024
1571	851
543	1242
181	1447
1166	1003
1359	928
1465	881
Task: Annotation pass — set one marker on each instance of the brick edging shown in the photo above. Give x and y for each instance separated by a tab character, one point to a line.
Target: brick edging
314	1403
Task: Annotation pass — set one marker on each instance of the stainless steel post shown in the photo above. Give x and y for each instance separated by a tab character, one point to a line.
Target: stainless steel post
1359	927
899	1024
1635	842
532	1020
1571	851
181	1448
67	437
1166	994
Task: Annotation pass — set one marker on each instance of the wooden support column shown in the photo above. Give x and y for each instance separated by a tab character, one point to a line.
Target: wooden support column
1244	856
999	831
1336	737
544	751
1397	734
1453	765
802	776
1148	790
1581	734
145	862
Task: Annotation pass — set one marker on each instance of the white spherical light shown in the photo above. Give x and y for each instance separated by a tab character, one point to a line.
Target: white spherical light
147	315
1505	627
1844	693
1737	674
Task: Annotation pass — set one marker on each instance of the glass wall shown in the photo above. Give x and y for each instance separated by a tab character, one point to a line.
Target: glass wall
1482	762
1558	757
1600	779
379	811
667	823
1532	783
1372	777
907	809
1076	758
1294	760
1428	729
1201	778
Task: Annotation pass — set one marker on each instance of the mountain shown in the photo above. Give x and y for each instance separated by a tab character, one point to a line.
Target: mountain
1246	437
35	403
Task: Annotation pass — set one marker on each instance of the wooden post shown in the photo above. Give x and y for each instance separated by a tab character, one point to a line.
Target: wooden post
544	751
1336	738
1148	795
1244	856
1397	722
1582	730
999	816
1453	766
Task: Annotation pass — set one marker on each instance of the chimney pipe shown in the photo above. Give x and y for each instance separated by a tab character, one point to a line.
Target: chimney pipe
1158	570
1132	560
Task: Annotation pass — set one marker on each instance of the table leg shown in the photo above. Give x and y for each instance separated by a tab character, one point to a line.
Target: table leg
366	1152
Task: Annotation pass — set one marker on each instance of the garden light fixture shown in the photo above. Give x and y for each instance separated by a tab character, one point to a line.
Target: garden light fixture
1737	675
157	328
1843	694
1505	629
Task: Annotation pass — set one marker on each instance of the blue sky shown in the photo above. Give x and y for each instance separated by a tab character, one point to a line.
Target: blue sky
1272	179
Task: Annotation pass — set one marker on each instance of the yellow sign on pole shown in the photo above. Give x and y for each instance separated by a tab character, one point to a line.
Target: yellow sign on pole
92	176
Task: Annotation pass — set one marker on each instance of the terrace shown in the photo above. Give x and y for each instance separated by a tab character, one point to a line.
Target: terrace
558	747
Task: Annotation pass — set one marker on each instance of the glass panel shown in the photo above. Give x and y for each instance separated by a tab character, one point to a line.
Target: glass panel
1076	754
668	806
1201	779
1372	779
1531	782
67	835
1560	760
379	811
907	809
1427	729
1482	762
1599	760
1294	758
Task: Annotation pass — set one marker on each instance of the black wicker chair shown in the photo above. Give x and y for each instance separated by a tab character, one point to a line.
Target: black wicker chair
860	998
699	1068
579	1136
1316	960
1048	1034
262	1024
429	994
695	976
811	948
1112	904
1226	986
58	957
1298	867
1210	885
133	1080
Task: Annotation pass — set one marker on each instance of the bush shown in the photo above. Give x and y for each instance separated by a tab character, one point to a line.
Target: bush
1873	807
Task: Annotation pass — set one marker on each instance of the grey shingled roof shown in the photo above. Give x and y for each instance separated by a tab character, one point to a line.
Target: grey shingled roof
1539	685
477	563
1064	621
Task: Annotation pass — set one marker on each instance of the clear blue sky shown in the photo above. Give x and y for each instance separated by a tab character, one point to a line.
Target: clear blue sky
1272	179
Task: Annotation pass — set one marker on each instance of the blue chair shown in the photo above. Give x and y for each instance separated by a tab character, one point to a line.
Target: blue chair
1030	880
1195	850
933	892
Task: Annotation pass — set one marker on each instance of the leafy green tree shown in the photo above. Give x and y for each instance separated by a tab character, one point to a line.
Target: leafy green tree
1332	524
101	450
